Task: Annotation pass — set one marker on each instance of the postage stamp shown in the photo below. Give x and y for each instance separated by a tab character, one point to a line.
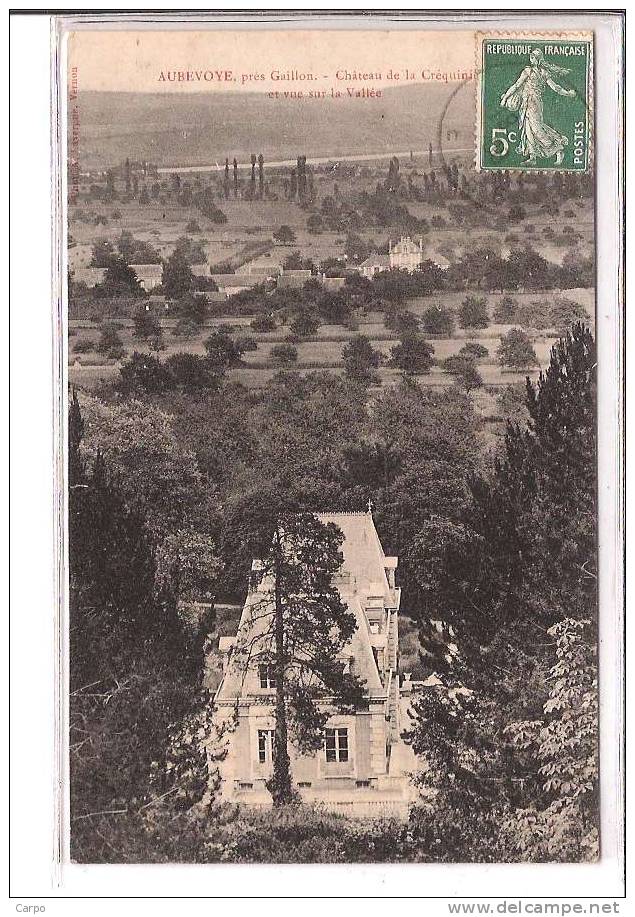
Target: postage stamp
534	105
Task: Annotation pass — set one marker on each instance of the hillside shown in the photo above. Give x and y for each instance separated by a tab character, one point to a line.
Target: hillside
198	129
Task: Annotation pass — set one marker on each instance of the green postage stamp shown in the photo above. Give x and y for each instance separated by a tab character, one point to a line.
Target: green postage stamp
534	106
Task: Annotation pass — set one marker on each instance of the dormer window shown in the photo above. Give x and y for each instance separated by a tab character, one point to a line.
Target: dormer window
267	675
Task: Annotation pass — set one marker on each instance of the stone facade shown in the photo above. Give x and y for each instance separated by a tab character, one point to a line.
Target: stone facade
362	767
406	255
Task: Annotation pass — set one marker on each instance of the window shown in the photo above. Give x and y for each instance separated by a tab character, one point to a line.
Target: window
267	676
336	743
265	746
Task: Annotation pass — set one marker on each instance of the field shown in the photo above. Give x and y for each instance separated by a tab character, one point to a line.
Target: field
325	349
163	219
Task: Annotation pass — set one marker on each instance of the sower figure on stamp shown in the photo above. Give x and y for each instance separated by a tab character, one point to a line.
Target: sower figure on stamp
525	96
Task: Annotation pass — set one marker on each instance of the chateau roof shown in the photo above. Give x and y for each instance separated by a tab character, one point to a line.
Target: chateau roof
362	577
405	246
364	559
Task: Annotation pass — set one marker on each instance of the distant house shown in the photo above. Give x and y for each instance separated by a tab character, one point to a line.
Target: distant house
293	279
212	296
229	284
405	255
440	262
332	284
374	264
200	270
363	766
91	276
261	270
148	275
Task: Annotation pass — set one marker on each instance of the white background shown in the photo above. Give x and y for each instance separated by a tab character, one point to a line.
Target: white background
34	878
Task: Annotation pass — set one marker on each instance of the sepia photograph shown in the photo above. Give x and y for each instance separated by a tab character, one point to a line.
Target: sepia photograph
331	445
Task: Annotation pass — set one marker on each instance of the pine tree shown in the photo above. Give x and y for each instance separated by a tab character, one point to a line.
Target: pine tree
297	625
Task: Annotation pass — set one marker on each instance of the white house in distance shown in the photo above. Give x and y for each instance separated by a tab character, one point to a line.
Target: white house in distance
363	766
404	255
148	275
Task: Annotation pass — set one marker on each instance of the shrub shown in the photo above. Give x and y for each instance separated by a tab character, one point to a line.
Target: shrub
438	320
304	324
84	345
190	371
403	322
505	310
413	354
516	350
473	312
474	351
245	343
284	354
284	234
361	359
109	338
263	324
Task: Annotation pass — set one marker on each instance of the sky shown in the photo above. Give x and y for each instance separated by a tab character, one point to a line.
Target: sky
133	61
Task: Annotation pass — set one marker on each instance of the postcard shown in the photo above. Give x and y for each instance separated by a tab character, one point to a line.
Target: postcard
331	444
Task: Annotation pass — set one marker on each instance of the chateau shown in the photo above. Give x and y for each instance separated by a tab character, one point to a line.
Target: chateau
363	766
404	255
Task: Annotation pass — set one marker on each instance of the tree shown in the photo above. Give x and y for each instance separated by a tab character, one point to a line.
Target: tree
155	470
401	321
143	373
109	338
284	354
473	312
565	313
315	223
515	575
474	351
516	350
194	307
298	626
563	744
505	310
511	402
186	328
119	280
469	377
361	359
222	351
462	367
192	250
177	275
438	320
146	323
190	372
133	669
246	343
413	354
284	234
263	324
304	323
